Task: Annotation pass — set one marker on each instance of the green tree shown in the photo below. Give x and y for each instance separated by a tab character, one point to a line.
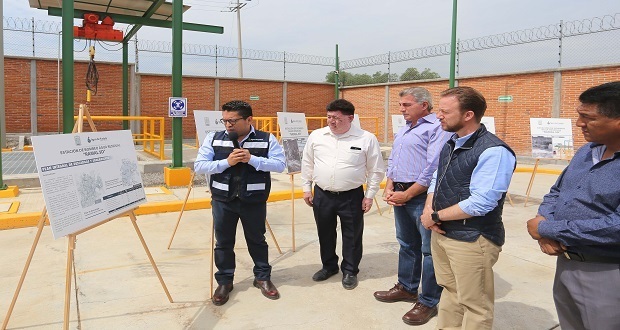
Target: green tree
350	79
414	74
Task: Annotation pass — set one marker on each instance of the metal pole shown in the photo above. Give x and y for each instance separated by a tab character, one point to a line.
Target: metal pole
137	54
33	52
67	66
126	83
389	66
560	46
177	80
58	84
239	57
337	77
453	45
458	57
2	112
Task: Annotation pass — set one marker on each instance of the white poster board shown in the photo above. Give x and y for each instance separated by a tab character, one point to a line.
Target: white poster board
207	121
87	178
356	121
489	123
294	133
398	121
551	137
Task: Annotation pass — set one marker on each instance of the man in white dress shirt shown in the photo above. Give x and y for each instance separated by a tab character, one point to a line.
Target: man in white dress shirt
339	159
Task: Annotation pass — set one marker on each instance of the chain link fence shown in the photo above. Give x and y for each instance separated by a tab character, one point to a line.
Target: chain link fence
586	42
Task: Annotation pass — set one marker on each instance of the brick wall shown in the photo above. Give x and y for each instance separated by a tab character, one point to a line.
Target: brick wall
17	95
532	97
574	82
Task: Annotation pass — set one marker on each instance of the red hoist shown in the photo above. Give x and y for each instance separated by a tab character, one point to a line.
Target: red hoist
92	29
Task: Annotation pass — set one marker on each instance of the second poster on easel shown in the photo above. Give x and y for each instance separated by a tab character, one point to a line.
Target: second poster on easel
551	137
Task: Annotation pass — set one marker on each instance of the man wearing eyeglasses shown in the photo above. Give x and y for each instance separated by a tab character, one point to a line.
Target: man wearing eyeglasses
411	164
339	159
240	184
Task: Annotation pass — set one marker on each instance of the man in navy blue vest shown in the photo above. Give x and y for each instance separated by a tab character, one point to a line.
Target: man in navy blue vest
579	219
464	210
240	183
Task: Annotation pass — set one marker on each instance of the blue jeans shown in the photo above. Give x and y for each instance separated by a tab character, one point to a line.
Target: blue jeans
414	257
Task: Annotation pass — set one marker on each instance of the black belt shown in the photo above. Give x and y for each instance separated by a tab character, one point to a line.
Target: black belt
402	186
338	192
591	258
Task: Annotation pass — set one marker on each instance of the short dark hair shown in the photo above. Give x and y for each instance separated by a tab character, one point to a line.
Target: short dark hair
469	100
242	108
341	105
606	97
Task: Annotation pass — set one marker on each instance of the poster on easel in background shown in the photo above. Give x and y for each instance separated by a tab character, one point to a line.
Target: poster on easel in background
294	134
356	121
87	178
207	121
398	121
489	123
551	137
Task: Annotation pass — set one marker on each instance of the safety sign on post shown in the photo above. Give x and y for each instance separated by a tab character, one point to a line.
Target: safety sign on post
177	107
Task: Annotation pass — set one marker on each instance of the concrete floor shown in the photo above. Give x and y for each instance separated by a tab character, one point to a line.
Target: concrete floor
118	289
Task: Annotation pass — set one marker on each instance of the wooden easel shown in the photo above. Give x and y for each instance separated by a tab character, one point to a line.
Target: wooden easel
176	226
529	186
292	178
71	242
378	207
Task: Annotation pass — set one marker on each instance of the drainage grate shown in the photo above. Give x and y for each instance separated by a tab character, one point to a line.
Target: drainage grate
18	162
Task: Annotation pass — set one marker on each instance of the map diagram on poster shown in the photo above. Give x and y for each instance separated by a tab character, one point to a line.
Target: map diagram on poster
551	137
294	133
87	178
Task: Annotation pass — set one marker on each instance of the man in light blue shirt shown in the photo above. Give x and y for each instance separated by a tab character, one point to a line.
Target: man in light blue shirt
464	210
238	161
411	164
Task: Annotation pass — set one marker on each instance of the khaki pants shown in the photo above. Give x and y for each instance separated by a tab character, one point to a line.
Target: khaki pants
465	271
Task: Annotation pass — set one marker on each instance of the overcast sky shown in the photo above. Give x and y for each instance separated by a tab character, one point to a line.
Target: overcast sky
360	27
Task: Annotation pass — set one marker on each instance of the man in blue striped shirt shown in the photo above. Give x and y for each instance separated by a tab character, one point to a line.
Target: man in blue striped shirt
579	219
410	169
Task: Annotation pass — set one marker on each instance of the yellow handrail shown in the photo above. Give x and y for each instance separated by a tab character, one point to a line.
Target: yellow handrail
149	136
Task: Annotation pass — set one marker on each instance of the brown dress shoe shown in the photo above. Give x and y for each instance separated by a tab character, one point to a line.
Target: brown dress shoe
220	296
419	314
397	293
267	289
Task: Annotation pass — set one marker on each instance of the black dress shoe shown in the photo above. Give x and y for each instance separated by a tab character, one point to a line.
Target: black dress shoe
323	274
267	289
220	296
349	281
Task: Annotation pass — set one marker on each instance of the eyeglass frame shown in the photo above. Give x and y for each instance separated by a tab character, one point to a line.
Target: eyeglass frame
232	122
336	118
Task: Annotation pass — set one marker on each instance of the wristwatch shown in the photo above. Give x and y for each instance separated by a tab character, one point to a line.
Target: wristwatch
435	217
